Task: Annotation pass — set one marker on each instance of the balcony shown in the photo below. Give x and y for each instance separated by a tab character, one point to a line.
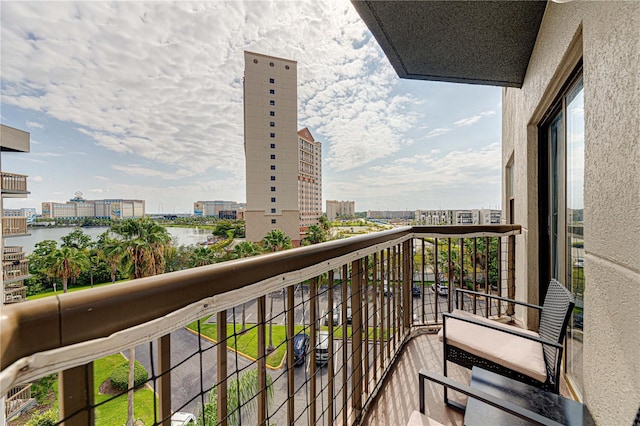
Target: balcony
15	270
13	184
14	226
370	295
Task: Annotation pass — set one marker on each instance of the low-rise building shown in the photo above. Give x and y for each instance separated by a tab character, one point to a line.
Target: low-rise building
340	209
79	208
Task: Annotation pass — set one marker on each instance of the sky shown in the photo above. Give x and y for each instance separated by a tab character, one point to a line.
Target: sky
144	101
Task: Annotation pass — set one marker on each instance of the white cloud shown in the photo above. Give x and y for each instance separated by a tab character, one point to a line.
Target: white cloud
35	178
468	121
437	132
98	190
488	113
34	124
47	154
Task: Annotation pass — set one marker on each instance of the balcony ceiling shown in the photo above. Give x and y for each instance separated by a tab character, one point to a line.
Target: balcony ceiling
477	42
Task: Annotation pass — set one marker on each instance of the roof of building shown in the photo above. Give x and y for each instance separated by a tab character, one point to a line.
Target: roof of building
306	134
477	42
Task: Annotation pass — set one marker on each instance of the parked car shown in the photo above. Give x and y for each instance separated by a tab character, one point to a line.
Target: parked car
579	263
415	291
181	418
349	314
577	320
336	318
322	347
300	348
442	289
388	291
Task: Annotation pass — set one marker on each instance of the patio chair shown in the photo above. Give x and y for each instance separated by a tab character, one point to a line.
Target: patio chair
523	355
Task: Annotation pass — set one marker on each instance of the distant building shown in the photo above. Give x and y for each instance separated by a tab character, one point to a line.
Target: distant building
79	208
458	217
390	214
340	209
271	146
28	212
220	209
309	180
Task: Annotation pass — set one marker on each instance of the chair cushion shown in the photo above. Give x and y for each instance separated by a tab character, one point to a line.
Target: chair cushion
514	352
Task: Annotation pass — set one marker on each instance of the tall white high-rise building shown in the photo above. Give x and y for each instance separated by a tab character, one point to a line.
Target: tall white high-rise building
271	146
309	180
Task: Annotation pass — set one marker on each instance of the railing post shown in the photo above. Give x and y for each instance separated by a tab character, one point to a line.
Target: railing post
164	364
365	321
461	255
330	367
290	367
356	337
374	285
345	297
487	252
262	362
75	390
436	278
407	277
511	279
221	350
475	278
313	318
449	277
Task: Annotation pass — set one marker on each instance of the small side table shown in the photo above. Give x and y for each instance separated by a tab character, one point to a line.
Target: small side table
545	403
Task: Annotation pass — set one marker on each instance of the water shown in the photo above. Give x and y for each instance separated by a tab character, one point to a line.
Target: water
182	236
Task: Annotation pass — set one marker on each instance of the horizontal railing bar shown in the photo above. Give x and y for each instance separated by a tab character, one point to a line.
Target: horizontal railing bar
56	322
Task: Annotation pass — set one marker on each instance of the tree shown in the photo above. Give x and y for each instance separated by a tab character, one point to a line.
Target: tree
112	252
76	239
324	222
39	267
66	263
275	240
145	243
245	249
202	256
314	235
240	397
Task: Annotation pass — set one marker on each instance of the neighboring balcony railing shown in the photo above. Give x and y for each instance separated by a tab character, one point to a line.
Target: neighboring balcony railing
341	310
15	293
14	226
12	253
14	183
17	399
15	270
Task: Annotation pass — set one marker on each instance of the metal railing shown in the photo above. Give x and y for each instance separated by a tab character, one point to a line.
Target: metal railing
14	182
354	302
14	293
14	226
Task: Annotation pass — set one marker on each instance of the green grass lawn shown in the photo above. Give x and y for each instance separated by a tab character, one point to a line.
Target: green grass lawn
114	412
247	342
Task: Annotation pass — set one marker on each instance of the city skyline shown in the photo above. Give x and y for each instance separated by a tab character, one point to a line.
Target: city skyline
132	100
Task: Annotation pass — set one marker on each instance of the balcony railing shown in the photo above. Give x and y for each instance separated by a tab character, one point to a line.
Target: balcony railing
13	253
18	399
14	293
356	299
14	183
14	226
15	270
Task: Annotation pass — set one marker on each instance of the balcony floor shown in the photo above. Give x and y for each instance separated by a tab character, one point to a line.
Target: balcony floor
398	397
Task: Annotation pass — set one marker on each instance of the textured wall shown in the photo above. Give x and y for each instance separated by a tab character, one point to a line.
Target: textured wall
610	37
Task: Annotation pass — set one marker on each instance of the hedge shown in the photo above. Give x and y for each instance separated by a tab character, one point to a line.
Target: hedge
120	376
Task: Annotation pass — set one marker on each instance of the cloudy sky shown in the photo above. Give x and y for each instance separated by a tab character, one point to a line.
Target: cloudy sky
144	100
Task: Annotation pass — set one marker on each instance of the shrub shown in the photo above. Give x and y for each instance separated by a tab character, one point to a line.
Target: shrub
40	388
120	376
48	418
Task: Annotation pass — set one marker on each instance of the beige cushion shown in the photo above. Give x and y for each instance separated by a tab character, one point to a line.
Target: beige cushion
514	352
419	419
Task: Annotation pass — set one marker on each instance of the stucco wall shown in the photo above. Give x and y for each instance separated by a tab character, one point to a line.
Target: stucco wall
610	37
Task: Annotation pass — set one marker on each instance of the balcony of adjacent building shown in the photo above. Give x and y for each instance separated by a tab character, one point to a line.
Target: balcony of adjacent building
13	185
13	226
369	306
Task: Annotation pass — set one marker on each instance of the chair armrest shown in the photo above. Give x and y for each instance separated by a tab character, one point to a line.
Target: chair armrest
492	296
497	328
481	396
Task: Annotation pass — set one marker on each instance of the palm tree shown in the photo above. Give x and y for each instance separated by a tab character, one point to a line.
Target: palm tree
144	244
66	263
202	256
112	252
315	235
324	222
245	249
275	240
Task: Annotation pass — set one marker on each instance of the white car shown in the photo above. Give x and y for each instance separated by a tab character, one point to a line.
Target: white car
579	263
443	290
181	418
